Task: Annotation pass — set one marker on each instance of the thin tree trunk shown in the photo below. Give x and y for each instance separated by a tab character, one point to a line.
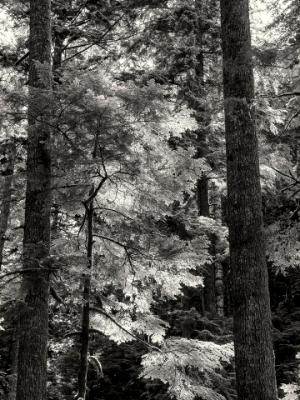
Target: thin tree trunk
254	355
33	326
203	119
85	324
6	193
13	362
9	151
202	196
219	286
208	292
297	141
219	274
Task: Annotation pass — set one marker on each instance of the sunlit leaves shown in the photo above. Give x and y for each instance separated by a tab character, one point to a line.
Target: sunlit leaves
190	367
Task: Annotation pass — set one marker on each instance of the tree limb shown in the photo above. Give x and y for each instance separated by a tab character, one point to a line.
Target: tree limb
101	311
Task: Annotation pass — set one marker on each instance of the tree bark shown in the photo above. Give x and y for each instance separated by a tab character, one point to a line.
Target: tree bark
6	193
33	325
219	286
203	119
85	324
13	363
254	355
9	152
219	273
202	196
297	141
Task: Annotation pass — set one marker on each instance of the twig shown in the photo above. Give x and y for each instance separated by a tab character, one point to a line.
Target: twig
115	211
56	296
289	94
95	192
21	59
94	360
295	115
25	271
121	245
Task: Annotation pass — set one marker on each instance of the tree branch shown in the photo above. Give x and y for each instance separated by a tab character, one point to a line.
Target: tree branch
289	94
100	311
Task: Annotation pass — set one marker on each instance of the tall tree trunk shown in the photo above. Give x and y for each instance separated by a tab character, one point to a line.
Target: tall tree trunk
254	355
33	327
85	324
9	152
203	119
6	193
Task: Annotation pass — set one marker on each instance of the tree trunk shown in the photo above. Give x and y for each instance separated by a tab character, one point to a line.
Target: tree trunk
254	356
219	273
219	286
9	152
202	197
203	119
85	325
33	326
6	193
13	362
297	141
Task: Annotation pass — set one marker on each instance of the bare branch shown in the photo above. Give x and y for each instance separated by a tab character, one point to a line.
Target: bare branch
25	271
115	211
289	94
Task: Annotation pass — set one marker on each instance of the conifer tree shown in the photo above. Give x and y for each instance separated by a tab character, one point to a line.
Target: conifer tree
33	332
251	307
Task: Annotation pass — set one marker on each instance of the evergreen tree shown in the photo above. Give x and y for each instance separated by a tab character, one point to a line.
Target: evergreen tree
33	325
254	358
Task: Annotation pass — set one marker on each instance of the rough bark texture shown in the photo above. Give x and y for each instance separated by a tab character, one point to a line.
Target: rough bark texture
254	356
6	192
33	332
85	324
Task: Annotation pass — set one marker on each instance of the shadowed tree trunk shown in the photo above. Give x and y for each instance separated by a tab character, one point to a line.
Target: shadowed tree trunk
219	274
219	285
33	325
85	324
297	141
9	152
254	356
203	120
